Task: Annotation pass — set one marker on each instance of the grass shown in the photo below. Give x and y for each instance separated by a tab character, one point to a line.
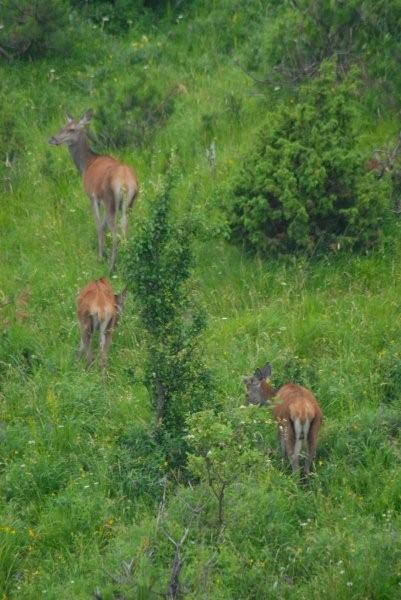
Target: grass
73	506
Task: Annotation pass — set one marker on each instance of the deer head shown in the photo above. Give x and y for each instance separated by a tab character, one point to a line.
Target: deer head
258	390
72	131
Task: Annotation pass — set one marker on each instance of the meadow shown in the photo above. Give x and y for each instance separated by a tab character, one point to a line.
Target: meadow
88	503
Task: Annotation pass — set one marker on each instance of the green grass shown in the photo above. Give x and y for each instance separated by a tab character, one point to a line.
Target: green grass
72	505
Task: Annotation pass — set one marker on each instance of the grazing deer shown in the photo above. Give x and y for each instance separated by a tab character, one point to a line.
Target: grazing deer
297	413
106	181
98	308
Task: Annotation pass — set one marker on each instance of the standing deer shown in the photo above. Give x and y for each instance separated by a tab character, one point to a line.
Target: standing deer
106	181
98	308
297	413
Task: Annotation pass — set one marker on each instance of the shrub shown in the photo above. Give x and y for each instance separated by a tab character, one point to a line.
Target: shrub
306	32
223	447
117	16
304	183
157	266
33	27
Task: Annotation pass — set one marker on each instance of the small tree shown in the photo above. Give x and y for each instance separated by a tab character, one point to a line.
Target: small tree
225	447
157	267
304	183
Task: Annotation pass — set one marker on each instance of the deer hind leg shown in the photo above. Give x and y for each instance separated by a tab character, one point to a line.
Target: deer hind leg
298	435
124	218
287	438
100	226
281	434
86	327
105	341
312	443
111	222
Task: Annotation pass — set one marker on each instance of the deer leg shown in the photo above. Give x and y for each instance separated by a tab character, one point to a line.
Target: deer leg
312	444
294	457
100	227
288	436
105	340
86	337
111	222
281	439
124	217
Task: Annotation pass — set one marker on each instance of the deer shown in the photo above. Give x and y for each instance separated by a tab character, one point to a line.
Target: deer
296	412
98	309
111	186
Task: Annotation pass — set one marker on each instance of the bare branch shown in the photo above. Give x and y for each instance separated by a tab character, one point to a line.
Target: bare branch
162	504
174	583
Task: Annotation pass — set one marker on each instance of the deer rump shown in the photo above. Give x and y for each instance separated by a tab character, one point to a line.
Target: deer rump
106	178
297	414
97	305
98	308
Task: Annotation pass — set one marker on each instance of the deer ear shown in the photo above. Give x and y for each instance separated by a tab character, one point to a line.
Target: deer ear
86	118
265	372
69	117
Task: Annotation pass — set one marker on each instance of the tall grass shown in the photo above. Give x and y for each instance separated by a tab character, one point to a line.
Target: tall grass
73	508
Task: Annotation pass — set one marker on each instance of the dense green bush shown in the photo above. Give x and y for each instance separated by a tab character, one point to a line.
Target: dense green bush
117	16
304	185
34	27
305	32
157	268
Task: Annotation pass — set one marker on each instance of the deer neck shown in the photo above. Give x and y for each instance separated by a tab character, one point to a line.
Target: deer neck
81	153
268	391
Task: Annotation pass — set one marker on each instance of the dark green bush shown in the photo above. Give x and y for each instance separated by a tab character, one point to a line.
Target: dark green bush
33	28
306	32
117	16
304	185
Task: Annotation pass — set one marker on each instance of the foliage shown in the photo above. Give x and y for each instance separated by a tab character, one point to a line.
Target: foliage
129	116
306	32
32	28
157	268
80	460
118	16
136	470
224	447
304	185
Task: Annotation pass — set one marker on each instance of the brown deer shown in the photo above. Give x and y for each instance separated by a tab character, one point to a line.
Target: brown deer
98	309
106	181
297	413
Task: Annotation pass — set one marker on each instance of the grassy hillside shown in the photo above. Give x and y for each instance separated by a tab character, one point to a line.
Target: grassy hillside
86	499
